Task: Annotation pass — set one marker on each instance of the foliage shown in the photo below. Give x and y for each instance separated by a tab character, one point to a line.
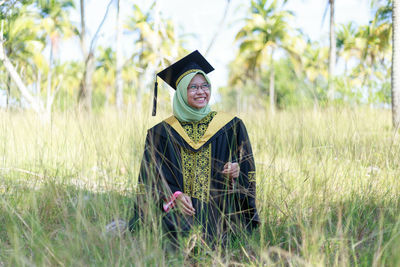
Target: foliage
290	89
156	45
33	28
364	54
265	30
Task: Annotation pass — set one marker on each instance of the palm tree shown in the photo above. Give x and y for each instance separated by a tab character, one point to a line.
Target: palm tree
374	44
314	61
348	43
88	48
332	47
140	23
119	63
20	42
85	87
239	77
332	50
57	25
156	46
264	32
396	65
105	72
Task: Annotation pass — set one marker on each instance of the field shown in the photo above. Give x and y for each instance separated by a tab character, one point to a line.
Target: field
328	191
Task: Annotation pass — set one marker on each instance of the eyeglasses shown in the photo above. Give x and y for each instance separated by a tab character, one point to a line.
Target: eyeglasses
193	88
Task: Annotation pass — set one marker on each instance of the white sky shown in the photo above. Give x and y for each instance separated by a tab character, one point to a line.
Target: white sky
202	18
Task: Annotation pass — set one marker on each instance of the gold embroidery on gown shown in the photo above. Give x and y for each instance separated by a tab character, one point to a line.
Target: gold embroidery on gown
196	166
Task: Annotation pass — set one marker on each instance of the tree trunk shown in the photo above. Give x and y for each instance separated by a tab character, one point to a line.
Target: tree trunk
118	53
315	98
107	100
49	76
332	51
139	98
219	29
272	90
38	84
85	87
8	91
37	106
272	85
238	100
396	65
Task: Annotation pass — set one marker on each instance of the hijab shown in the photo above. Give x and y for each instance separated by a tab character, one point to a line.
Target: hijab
181	109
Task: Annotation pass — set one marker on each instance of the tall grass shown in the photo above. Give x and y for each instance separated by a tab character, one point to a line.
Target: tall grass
327	183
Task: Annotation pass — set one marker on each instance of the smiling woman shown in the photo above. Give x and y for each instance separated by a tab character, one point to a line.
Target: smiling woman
198	166
198	92
192	96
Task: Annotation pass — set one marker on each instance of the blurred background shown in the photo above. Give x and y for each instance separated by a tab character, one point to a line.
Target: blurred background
269	55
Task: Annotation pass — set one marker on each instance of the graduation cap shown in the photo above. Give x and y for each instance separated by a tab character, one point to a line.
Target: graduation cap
174	73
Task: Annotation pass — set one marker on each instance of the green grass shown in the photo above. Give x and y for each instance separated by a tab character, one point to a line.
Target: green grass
327	183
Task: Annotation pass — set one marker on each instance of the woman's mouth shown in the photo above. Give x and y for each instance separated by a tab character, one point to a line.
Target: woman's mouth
200	99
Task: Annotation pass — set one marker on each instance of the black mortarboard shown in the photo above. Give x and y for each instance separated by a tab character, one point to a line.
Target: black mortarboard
174	73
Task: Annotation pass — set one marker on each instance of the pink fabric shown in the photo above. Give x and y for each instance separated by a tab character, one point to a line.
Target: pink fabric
171	203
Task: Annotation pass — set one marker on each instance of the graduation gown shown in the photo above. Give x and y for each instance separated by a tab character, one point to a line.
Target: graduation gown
173	161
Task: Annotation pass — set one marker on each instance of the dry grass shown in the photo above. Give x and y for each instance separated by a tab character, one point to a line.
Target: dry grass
328	191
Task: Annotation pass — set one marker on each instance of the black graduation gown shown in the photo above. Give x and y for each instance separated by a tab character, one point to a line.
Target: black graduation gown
231	206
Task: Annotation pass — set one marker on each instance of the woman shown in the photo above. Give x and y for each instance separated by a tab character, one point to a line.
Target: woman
198	165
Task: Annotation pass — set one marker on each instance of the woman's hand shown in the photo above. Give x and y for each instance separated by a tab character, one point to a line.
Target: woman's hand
231	170
184	203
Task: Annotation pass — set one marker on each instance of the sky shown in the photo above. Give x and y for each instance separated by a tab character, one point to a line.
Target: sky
202	18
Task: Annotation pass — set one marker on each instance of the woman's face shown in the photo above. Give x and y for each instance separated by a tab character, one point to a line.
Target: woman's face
198	92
